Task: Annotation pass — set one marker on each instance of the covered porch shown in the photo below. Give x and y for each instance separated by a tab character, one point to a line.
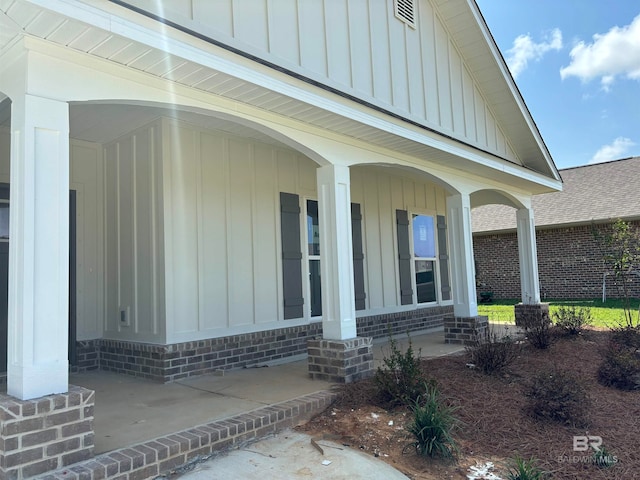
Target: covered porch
144	429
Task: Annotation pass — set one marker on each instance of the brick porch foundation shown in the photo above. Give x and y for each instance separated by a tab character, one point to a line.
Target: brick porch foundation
161	456
167	363
341	361
46	433
531	313
465	330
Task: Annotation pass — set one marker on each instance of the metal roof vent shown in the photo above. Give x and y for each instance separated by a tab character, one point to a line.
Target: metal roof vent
405	10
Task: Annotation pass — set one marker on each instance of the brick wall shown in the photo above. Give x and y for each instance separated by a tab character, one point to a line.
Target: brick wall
46	433
569	264
162	456
341	361
465	330
167	363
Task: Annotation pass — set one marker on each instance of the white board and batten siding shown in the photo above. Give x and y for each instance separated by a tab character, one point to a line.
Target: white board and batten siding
222	230
86	180
222	221
133	223
359	47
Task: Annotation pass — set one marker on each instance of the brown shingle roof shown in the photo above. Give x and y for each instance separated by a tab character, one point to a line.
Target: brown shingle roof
597	192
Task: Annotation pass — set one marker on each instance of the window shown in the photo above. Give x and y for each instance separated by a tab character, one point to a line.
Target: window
424	257
313	255
300	298
423	262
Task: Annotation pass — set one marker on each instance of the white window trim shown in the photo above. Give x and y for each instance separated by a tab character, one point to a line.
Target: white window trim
436	263
306	284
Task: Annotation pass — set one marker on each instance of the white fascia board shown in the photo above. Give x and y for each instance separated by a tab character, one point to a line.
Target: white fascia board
244	69
513	89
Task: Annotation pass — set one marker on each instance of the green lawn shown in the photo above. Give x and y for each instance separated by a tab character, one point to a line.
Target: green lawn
607	314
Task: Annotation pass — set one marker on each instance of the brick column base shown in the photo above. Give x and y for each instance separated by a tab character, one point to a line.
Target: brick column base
341	361
531	313
46	433
465	330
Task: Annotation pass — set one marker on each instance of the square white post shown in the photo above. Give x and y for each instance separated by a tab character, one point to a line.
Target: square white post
336	253
463	282
528	254
37	361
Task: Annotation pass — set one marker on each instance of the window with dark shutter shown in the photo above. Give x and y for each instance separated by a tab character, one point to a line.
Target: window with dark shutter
291	256
404	257
358	256
443	258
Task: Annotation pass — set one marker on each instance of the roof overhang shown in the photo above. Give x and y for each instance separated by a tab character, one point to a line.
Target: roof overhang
112	33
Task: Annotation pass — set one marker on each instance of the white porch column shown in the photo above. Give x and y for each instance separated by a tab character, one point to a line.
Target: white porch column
528	253
336	253
37	362
463	282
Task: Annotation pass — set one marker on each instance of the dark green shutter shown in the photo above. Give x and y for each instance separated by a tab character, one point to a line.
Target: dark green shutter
358	256
443	257
291	255
404	257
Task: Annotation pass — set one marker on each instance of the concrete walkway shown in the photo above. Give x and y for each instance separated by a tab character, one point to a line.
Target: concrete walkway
131	410
290	455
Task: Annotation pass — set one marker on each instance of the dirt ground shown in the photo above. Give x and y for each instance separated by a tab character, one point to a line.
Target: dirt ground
494	425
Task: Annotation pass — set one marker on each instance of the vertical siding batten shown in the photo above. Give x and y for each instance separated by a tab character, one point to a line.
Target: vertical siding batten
399	64
444	79
414	61
336	24
360	47
380	58
283	30
429	63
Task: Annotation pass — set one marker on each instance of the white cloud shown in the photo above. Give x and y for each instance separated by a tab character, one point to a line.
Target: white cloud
615	53
525	49
613	151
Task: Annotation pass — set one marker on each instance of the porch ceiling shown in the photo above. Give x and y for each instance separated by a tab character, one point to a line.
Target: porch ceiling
96	37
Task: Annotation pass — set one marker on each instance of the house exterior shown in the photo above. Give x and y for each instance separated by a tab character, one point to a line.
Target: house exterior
570	260
198	185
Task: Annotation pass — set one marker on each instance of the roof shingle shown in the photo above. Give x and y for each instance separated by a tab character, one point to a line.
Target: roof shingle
602	191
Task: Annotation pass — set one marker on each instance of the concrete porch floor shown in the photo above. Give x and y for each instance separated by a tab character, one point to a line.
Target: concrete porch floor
130	410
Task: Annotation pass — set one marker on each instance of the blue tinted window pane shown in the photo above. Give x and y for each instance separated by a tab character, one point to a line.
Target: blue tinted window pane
313	229
424	240
4	220
425	285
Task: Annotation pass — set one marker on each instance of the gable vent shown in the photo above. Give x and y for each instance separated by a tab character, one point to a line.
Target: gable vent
405	11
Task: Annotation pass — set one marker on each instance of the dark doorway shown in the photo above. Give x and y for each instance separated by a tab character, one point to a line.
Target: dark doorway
4	275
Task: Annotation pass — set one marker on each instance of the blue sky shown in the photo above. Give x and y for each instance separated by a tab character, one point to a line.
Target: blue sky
577	65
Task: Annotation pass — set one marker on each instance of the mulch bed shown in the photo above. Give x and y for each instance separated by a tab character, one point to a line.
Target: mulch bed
494	422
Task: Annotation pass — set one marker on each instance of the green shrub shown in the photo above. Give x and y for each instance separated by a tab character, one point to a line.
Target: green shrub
626	336
400	379
525	470
538	331
433	422
603	457
572	320
492	353
558	396
620	367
